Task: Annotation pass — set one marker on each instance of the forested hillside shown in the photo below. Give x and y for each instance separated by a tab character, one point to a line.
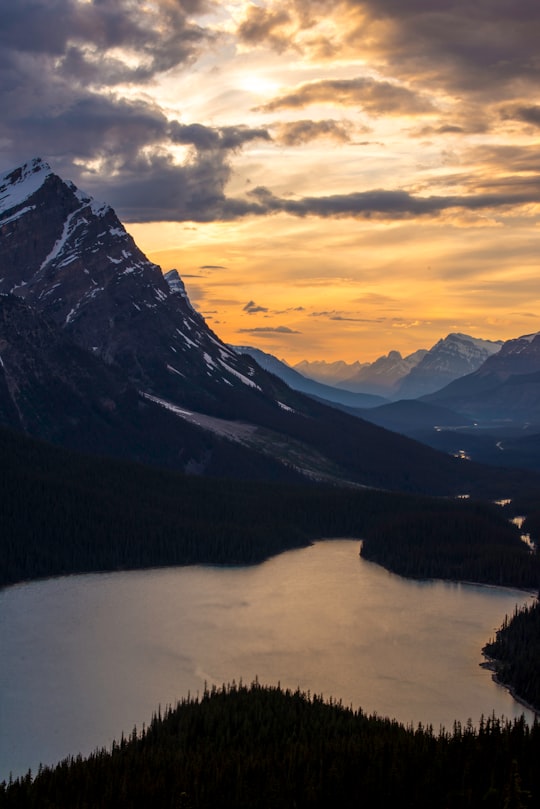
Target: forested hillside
470	544
516	653
262	748
66	513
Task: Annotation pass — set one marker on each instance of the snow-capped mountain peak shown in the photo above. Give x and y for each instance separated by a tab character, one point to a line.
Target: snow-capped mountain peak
451	357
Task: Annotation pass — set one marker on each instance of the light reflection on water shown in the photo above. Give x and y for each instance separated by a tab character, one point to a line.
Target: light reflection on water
87	657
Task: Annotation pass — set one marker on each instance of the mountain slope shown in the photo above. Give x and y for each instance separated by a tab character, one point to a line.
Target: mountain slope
52	389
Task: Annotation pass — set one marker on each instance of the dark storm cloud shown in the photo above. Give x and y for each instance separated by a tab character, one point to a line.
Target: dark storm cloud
79	35
251	308
392	205
481	47
375	97
61	62
156	189
296	133
159	190
264	26
528	114
130	140
91	126
57	75
207	138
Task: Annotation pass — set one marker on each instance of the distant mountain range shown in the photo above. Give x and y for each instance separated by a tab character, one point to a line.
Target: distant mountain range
397	377
100	351
329	373
491	415
386	373
298	381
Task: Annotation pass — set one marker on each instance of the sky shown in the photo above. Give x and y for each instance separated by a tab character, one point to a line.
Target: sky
332	180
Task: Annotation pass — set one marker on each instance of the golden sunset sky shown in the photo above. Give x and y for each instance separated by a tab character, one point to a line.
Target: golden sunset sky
332	180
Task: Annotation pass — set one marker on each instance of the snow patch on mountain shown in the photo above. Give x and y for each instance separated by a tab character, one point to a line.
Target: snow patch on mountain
232	430
70	224
18	214
249	382
18	185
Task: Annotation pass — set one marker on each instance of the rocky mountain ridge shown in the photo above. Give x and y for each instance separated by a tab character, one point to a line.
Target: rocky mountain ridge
384	375
450	358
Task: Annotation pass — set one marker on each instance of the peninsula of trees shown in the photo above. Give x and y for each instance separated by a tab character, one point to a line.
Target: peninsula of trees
263	747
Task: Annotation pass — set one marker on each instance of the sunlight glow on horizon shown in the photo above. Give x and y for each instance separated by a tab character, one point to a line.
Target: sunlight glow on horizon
335	308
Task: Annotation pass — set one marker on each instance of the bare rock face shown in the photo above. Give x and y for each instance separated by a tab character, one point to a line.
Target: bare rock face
49	386
72	260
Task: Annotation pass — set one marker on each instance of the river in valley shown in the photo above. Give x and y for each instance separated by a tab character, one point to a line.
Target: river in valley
85	658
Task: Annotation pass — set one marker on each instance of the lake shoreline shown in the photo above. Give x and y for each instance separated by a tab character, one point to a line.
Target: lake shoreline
490	664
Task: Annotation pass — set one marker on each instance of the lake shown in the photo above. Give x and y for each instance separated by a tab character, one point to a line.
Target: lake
86	657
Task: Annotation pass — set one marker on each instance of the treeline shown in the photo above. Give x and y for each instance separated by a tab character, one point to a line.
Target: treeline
472	544
516	653
263	747
67	513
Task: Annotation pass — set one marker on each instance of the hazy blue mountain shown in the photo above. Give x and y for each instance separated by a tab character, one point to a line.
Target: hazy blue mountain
298	381
329	373
378	378
384	374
